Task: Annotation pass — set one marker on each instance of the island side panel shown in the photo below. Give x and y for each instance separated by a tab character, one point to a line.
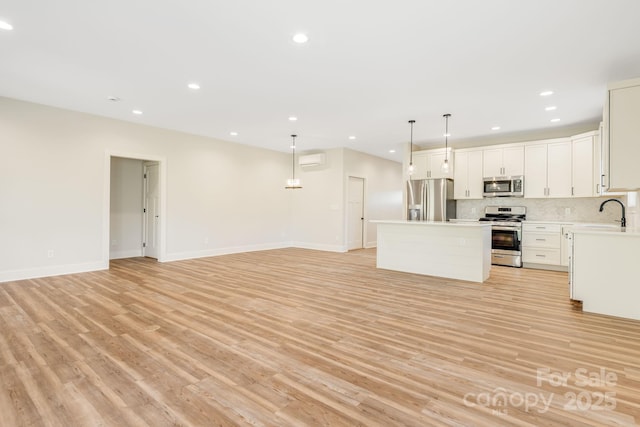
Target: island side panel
605	273
448	250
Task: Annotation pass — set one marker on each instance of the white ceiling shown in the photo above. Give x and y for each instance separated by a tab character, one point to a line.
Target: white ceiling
369	65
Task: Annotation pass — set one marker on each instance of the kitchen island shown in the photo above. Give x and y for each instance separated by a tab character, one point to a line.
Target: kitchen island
445	249
604	271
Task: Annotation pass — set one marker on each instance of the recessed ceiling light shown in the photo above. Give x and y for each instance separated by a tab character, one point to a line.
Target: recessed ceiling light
5	26
292	118
137	112
193	86
550	108
495	128
233	133
300	38
555	120
392	151
352	137
546	93
113	99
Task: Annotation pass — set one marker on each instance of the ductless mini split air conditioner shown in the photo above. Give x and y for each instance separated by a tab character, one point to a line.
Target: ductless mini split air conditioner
312	159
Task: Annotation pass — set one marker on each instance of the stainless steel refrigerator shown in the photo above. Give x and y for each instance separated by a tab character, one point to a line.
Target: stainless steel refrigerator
430	200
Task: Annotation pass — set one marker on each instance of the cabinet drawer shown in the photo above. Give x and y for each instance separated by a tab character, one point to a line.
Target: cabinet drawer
545	228
541	256
541	240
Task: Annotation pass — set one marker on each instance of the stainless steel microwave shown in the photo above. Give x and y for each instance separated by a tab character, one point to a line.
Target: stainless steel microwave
512	186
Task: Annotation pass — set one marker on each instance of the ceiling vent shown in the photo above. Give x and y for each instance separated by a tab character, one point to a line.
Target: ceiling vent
312	159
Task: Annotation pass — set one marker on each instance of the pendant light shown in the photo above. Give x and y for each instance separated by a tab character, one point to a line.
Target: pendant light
445	164
411	168
293	183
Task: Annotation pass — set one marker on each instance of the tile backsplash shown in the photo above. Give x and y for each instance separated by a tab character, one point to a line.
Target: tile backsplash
570	210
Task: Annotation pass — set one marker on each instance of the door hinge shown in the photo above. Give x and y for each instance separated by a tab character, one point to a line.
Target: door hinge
144	210
144	245
145	176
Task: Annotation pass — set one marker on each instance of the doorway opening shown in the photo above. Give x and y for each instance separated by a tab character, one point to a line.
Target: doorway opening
136	207
355	213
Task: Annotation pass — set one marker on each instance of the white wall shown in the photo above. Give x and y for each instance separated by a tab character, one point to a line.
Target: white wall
55	190
383	188
126	208
59	193
320	207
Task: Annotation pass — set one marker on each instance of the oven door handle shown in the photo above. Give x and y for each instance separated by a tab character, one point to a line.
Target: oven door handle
504	228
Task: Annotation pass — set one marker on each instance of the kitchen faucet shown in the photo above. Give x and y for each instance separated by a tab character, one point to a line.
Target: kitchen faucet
623	220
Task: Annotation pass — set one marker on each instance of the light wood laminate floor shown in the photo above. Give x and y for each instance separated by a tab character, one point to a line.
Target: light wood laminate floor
297	337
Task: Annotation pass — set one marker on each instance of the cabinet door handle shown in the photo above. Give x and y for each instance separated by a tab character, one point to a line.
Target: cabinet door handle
541	228
541	256
541	240
598	188
572	191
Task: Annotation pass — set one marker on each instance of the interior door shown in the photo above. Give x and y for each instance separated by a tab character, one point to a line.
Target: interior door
355	227
150	246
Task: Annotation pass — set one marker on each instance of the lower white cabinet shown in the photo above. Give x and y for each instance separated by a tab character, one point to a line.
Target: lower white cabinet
542	244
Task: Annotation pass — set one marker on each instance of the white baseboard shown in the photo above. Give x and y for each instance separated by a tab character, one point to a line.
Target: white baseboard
54	270
57	270
125	254
224	251
320	247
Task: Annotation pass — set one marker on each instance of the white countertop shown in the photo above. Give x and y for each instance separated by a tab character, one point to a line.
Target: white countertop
576	223
616	231
432	223
572	223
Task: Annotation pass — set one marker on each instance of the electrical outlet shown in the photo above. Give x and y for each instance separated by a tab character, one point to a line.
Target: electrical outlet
50	253
567	211
474	210
206	240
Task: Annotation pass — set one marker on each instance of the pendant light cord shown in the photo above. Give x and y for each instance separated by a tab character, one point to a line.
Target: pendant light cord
446	136
411	122
293	157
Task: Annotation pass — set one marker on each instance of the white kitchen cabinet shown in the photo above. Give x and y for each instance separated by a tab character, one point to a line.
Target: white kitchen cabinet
503	161
622	144
428	164
548	169
467	176
420	165
600	159
584	165
542	244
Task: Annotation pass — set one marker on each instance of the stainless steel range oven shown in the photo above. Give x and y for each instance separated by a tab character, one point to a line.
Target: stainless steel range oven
506	234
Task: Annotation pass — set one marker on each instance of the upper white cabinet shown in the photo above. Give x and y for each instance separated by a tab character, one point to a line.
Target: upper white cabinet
428	164
468	175
585	165
622	141
503	161
420	167
548	169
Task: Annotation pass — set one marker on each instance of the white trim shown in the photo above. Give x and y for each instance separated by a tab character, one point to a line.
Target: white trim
53	270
